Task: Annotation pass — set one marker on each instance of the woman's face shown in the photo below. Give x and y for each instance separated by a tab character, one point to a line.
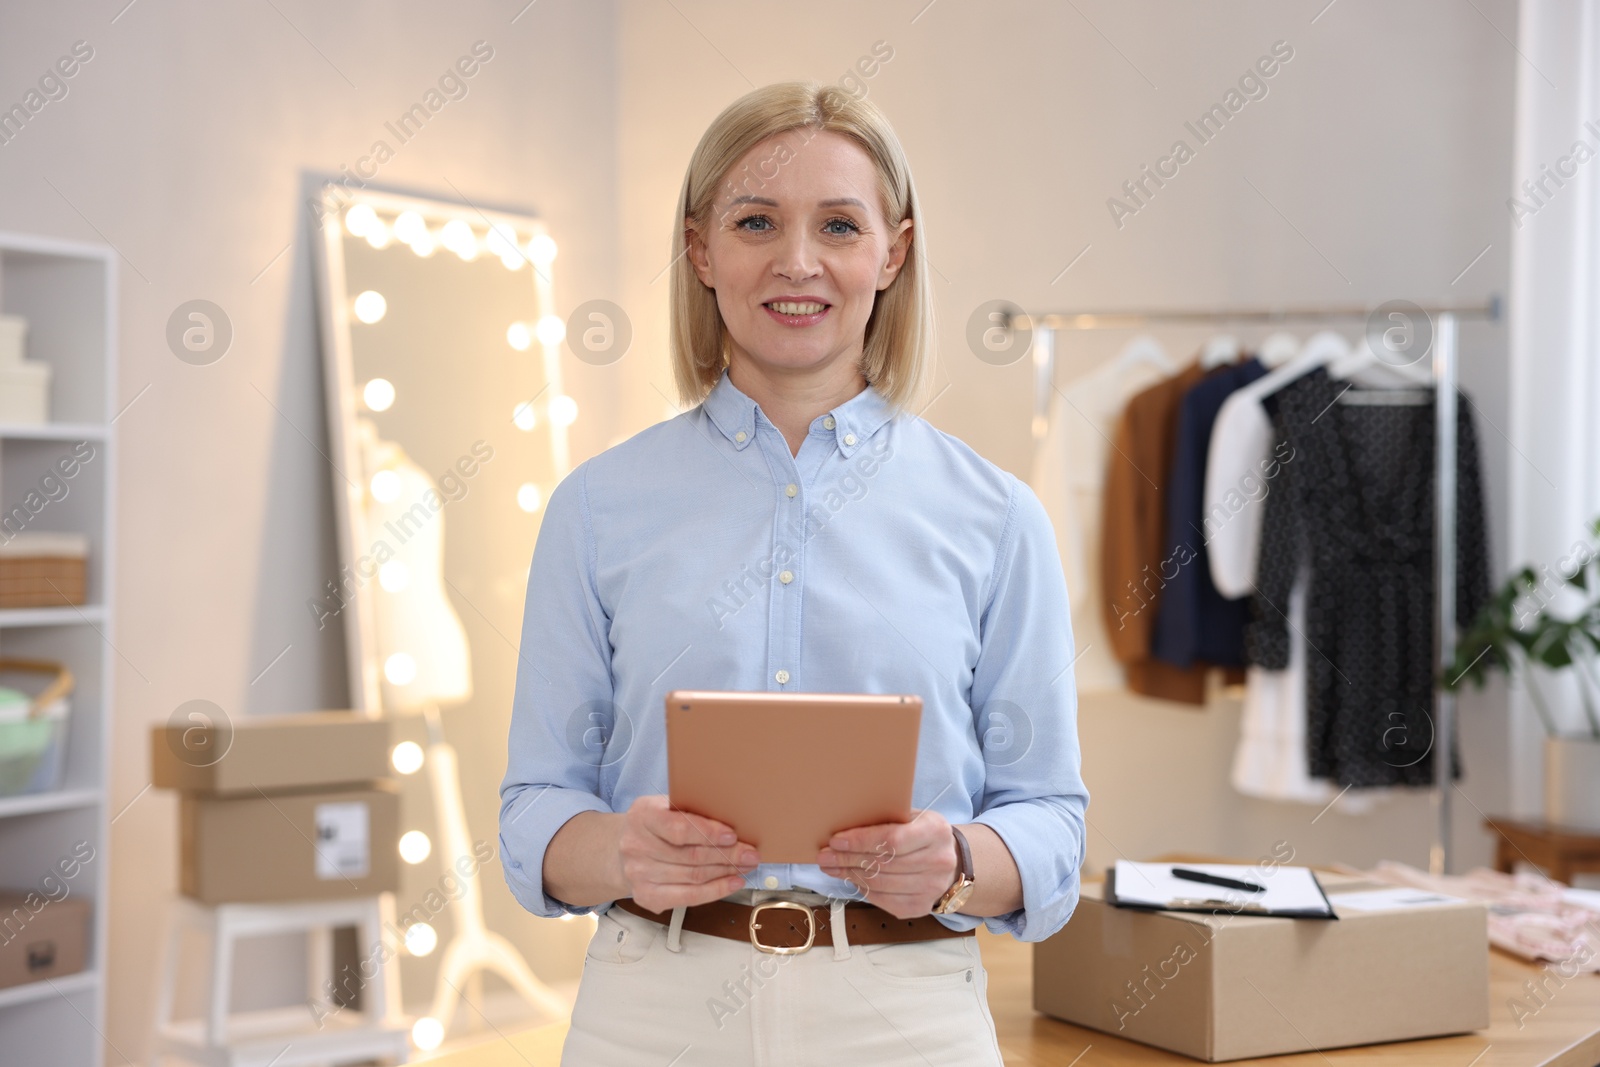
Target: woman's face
797	249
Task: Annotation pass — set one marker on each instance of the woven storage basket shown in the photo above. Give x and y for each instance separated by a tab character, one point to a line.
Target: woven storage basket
33	742
43	570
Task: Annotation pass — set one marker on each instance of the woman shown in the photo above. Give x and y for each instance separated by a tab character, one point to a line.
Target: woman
799	530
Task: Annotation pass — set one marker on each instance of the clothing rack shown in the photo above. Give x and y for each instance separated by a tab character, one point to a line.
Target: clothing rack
1445	319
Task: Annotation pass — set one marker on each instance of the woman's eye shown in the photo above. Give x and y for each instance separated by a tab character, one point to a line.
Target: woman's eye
752	218
850	227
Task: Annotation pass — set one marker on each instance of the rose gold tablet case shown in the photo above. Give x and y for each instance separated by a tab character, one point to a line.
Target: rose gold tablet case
787	770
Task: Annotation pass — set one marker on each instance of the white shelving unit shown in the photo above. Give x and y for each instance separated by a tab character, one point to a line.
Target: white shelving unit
67	292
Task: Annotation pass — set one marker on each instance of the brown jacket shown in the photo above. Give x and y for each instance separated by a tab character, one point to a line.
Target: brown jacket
1132	540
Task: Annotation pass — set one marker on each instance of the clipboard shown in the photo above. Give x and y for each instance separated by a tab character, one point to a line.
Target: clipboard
789	770
1290	892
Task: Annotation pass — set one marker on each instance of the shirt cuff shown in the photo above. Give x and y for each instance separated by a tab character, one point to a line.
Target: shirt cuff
1048	856
529	819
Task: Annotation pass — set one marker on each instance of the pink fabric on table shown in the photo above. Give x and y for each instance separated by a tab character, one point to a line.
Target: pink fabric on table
1529	914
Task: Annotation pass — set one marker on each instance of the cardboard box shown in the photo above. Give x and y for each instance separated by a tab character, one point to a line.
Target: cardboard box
1396	964
267	753
313	845
42	938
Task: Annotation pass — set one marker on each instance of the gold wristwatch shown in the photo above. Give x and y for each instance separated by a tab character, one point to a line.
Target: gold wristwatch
958	893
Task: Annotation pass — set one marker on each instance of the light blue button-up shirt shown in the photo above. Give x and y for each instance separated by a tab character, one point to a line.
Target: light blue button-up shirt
886	557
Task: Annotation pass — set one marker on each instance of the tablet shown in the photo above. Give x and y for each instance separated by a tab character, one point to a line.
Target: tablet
788	770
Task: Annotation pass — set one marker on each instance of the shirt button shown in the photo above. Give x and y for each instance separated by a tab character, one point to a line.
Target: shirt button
772	881
849	438
791	489
828	422
740	436
782	677
786	577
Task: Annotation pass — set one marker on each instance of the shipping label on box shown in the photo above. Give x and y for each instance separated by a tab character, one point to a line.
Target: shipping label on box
344	845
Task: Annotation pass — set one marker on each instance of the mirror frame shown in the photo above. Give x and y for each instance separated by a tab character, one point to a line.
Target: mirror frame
343	400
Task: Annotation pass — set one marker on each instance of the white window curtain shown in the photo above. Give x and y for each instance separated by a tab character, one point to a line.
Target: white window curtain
1554	210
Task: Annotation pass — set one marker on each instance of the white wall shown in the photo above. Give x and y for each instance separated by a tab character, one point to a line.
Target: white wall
1379	161
1375	168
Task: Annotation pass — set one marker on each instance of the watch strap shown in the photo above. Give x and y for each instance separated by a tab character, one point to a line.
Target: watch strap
964	853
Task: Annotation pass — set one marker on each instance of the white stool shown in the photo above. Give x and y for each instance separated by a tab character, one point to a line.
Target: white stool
321	1032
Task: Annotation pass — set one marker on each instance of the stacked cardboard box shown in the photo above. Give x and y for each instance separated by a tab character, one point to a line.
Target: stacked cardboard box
282	808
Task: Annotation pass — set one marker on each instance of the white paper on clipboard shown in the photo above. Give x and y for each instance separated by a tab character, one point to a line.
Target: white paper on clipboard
1286	890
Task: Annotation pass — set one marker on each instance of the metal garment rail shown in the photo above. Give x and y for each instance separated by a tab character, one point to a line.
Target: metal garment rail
1445	319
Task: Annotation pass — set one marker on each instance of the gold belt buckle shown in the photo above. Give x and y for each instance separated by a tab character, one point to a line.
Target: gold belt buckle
811	927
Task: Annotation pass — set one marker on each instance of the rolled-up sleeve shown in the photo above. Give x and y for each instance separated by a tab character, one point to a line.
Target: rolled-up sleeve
1024	698
563	692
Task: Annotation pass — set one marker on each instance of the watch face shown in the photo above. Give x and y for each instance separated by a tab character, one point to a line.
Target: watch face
957	898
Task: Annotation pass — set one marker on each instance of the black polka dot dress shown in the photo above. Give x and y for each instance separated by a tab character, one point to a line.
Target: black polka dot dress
1356	502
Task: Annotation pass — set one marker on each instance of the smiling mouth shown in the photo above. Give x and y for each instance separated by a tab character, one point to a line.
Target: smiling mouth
797	308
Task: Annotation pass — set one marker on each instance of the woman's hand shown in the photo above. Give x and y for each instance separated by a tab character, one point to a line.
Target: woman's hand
669	858
903	868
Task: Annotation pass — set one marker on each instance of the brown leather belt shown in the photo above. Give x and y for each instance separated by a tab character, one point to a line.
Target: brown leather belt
781	926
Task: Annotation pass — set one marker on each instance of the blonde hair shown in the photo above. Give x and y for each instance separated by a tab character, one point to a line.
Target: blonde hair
897	352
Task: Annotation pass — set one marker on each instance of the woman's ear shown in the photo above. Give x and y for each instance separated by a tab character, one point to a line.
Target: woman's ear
696	250
899	248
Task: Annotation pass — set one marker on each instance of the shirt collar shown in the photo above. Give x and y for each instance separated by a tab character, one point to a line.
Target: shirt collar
853	422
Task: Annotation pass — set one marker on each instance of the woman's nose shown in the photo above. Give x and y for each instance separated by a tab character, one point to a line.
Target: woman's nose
795	257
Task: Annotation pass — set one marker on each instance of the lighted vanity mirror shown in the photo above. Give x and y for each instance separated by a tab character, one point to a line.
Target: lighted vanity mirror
448	427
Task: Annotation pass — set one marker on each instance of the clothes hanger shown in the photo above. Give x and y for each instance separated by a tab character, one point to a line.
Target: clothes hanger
1144	349
1278	349
1363	367
1219	351
1322	348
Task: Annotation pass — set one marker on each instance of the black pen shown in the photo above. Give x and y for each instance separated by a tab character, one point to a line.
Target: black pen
1216	879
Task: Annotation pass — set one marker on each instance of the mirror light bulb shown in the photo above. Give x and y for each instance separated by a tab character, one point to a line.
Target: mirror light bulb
385	487
542	250
551	330
370	306
415	846
378	394
502	241
409	226
406	757
518	336
427	1033
400	669
528	498
563	410
458	237
378	235
359	219
421	939
394	576
524	416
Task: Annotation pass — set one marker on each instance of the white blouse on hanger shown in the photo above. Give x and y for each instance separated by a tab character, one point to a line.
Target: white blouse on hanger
1235	486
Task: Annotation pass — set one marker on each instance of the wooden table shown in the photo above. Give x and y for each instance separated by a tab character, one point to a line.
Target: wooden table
1559	850
1566	1033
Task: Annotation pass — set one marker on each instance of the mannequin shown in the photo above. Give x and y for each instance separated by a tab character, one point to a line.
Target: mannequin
415	616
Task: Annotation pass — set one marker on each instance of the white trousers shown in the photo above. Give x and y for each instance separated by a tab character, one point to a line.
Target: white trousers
654	995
